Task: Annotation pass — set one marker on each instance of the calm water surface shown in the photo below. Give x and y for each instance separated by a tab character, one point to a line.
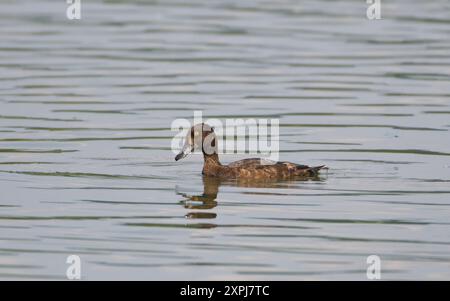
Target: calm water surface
85	160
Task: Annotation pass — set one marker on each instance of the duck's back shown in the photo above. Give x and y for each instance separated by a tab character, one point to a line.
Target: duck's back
246	163
265	169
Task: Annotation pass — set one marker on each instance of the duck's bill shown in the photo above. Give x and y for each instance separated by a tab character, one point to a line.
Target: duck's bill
180	156
184	152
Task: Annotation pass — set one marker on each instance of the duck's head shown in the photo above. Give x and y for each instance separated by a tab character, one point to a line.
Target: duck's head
200	137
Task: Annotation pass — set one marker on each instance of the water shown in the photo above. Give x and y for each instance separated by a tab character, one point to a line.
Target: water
85	160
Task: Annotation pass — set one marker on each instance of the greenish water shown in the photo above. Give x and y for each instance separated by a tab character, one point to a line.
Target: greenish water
85	160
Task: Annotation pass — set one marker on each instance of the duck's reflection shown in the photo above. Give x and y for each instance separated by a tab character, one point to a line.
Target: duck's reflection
211	185
204	201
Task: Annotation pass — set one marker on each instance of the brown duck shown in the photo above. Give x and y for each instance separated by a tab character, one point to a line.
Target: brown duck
202	136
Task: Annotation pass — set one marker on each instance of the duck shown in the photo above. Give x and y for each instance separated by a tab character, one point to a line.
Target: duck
202	137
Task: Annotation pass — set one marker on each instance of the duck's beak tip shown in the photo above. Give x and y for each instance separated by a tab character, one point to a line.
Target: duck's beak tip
179	156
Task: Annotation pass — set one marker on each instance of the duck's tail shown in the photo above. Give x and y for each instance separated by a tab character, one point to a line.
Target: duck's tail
314	171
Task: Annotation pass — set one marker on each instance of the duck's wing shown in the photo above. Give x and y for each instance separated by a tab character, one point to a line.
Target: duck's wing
260	163
261	169
288	169
247	163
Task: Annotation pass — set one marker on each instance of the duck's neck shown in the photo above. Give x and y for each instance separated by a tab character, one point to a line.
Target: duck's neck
211	164
212	160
